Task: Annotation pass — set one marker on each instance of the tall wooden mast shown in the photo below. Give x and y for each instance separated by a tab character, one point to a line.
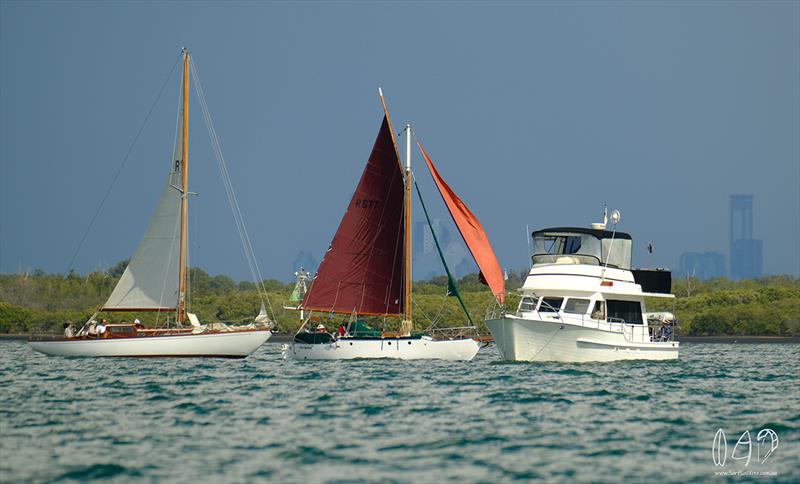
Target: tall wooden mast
406	324
184	190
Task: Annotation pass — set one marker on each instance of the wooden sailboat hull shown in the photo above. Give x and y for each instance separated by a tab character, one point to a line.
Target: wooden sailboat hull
423	348
234	344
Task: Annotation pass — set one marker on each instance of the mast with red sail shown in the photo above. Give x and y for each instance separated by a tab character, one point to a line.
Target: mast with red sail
363	269
472	232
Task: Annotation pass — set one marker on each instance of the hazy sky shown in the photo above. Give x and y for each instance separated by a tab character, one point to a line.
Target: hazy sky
535	113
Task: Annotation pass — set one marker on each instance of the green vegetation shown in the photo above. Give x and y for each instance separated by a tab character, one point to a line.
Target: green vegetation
768	306
41	303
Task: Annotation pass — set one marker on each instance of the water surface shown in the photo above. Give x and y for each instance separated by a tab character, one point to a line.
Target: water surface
262	418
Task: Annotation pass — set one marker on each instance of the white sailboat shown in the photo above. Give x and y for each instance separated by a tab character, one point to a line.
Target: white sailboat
367	269
156	281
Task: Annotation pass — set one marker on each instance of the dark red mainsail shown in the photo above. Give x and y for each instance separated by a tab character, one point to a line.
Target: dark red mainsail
472	232
362	271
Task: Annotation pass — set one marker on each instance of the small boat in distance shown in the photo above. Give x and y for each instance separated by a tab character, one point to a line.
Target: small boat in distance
366	272
582	302
156	281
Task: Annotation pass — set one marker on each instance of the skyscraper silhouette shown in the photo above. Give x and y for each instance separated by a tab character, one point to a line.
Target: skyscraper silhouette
745	251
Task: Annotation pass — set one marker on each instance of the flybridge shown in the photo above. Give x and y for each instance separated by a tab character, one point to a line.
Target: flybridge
577	245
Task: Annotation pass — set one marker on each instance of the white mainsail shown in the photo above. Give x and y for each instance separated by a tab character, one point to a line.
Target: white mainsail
151	279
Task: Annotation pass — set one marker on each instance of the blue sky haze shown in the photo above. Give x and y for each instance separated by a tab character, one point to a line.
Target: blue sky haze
535	113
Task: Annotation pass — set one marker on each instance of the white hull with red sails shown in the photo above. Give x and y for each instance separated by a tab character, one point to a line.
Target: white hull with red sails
367	268
233	344
424	348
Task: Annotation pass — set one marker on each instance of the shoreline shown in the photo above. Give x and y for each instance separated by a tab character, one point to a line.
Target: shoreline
746	339
721	339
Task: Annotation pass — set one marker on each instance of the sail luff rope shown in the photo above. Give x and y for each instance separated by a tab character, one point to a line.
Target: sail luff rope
255	271
119	170
187	292
397	244
175	233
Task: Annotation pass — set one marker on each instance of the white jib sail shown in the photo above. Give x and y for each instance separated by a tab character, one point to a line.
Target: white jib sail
151	279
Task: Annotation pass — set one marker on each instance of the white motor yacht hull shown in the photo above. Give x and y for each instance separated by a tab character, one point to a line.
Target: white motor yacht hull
233	344
424	348
523	339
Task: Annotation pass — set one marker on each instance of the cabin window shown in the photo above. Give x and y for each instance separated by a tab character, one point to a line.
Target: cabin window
599	311
617	253
120	329
576	306
527	304
572	244
598	247
624	311
550	304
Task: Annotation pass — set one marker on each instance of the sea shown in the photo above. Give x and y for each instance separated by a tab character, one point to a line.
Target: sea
721	413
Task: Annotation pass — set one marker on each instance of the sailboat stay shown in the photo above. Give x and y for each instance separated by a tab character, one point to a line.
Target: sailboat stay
366	271
156	279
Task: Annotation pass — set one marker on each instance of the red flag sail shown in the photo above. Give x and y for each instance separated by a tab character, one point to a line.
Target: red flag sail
362	271
472	232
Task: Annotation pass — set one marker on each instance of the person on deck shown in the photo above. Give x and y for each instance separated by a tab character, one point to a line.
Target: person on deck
599	312
340	330
321	328
69	330
101	328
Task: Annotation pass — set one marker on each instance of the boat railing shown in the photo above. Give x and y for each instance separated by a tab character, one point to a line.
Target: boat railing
455	332
628	330
633	333
494	312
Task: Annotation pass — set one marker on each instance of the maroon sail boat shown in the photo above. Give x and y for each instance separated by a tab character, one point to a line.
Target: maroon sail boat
362	271
366	271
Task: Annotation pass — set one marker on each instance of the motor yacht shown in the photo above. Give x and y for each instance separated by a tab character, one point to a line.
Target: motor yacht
582	302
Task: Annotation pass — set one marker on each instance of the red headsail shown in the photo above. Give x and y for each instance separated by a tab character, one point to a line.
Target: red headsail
362	271
472	232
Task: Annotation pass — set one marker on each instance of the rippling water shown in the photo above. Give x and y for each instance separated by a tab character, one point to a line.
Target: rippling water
263	418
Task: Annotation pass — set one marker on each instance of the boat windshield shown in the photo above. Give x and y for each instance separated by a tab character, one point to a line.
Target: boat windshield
580	248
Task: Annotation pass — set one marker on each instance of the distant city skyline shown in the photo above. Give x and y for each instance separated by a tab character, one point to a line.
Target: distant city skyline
745	253
535	113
